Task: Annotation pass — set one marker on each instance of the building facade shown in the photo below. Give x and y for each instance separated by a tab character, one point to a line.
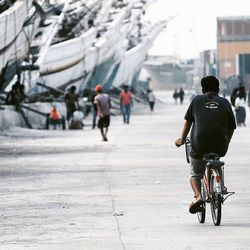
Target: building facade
233	48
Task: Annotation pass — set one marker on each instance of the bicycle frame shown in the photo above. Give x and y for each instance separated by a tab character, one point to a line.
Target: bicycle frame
212	186
211	189
218	178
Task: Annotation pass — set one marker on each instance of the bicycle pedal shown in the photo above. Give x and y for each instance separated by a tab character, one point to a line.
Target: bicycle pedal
227	195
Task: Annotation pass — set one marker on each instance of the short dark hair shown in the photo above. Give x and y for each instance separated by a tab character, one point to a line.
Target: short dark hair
73	88
210	83
241	92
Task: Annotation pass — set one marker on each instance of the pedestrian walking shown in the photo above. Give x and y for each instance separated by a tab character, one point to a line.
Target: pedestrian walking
175	96
236	91
213	124
103	105
151	99
240	110
71	100
126	101
181	95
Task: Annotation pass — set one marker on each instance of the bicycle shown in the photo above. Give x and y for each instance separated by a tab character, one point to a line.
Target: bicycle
212	186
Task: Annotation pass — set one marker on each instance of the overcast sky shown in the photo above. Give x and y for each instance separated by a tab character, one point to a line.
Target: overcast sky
194	27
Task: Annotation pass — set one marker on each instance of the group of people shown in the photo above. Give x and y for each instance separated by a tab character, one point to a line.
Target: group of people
101	105
179	94
209	116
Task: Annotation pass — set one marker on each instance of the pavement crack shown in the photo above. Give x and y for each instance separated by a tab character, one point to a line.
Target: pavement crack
115	214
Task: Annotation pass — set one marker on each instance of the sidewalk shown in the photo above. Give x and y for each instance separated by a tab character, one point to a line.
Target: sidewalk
68	190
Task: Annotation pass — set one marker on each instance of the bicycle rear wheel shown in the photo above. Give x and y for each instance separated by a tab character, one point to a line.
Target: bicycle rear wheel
202	214
216	201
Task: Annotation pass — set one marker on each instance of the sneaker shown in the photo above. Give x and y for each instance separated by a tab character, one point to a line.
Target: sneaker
105	139
196	206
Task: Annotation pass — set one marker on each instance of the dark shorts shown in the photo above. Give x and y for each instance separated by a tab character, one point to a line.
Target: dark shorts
197	169
104	121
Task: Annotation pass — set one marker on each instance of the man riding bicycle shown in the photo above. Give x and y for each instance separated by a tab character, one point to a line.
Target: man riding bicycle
213	125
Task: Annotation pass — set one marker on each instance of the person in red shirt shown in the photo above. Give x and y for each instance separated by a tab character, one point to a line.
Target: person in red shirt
54	116
126	102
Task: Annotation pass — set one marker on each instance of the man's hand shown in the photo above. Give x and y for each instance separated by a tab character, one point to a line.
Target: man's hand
179	142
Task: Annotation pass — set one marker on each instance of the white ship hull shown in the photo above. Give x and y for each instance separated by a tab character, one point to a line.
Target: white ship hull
134	58
111	58
13	42
65	61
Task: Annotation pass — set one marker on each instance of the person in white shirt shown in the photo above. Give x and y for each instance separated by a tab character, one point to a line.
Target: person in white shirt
240	110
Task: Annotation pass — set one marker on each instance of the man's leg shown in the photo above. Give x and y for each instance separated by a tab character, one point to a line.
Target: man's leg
196	186
198	167
102	133
152	106
94	119
124	113
106	126
54	124
100	126
105	133
128	113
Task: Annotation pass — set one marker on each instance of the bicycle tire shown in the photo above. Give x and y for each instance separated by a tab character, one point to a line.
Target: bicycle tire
202	214
215	201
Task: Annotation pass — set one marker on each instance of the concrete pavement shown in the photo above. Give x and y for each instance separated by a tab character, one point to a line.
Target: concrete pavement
69	190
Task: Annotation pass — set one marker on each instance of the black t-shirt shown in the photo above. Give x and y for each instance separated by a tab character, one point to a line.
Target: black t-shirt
212	118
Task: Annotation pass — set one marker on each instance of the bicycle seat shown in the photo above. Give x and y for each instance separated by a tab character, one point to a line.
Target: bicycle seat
211	157
215	163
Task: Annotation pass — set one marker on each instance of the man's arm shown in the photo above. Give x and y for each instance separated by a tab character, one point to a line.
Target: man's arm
180	141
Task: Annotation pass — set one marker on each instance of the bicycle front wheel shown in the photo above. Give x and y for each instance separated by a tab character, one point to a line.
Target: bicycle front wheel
215	200
202	214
